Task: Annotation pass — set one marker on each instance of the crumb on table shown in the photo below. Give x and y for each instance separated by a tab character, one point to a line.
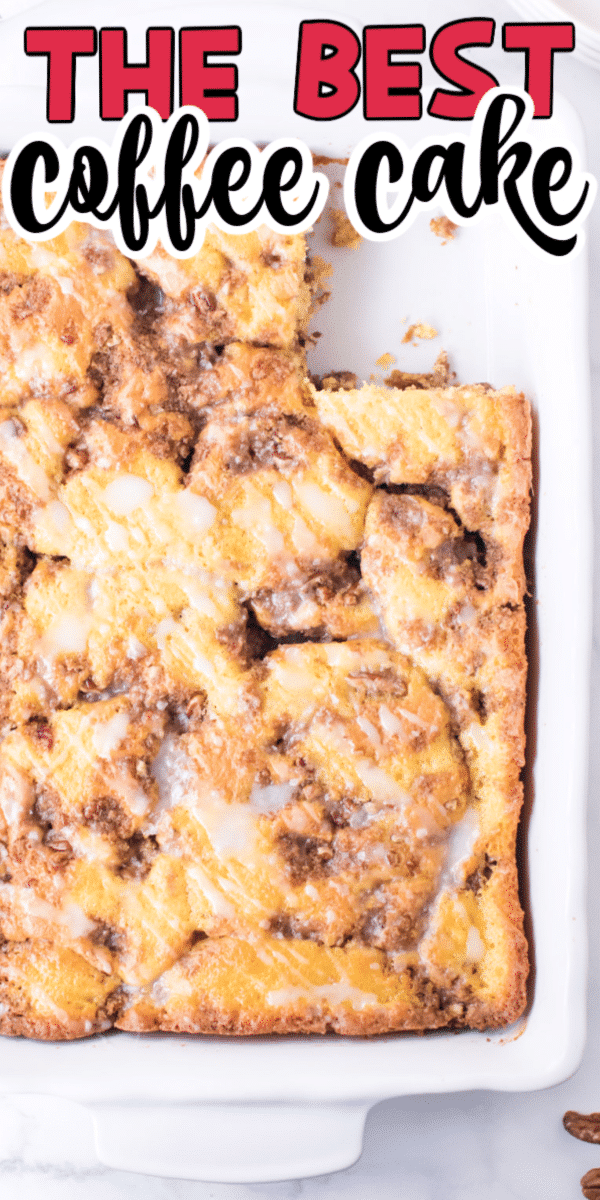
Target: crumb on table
337	381
317	273
419	331
324	160
343	233
441	376
443	228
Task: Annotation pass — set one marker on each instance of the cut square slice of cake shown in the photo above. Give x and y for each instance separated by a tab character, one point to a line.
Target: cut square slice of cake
250	287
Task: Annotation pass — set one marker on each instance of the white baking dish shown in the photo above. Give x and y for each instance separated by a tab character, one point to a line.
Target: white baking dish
585	13
273	1108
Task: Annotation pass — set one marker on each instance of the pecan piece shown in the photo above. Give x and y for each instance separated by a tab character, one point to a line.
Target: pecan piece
590	1184
586	1128
44	735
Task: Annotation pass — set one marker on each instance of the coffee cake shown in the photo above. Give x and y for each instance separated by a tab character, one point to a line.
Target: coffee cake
263	666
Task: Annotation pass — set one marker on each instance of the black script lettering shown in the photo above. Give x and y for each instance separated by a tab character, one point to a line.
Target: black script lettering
21	185
132	196
89	180
273	186
494	167
147	177
223	182
450	173
454	168
491	144
179	200
365	185
543	185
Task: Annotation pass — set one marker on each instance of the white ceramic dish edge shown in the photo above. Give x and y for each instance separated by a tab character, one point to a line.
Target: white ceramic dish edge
175	1107
587	38
231	1111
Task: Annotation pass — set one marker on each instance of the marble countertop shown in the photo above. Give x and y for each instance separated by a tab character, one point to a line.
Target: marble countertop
461	1147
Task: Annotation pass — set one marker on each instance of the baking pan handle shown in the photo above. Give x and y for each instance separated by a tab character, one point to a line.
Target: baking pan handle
230	1143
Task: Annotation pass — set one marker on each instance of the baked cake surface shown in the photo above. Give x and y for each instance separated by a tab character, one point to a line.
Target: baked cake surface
263	665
